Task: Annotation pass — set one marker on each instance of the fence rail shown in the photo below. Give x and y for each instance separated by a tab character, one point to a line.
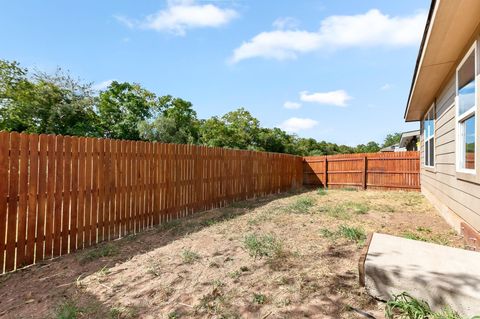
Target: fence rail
369	170
59	194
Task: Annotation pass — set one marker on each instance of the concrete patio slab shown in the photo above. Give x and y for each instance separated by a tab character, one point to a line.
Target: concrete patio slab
438	274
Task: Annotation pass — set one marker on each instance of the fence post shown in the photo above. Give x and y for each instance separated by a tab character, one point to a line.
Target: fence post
365	172
325	174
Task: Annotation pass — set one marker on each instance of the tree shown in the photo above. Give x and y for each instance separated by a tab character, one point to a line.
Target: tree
177	123
371	147
392	139
56	104
275	140
214	132
236	129
122	107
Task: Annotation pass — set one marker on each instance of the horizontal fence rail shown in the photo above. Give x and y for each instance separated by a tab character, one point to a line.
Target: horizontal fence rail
384	171
59	194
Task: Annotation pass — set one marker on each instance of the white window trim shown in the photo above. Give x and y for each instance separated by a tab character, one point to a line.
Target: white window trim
429	137
472	111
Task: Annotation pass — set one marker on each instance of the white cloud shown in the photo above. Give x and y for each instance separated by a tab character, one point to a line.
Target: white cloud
100	86
372	28
292	105
296	124
279	45
180	16
285	23
385	87
338	98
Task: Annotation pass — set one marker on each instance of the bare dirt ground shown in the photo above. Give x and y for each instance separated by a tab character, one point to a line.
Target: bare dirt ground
285	256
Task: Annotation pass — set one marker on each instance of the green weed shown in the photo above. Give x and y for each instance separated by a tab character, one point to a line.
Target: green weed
67	310
189	256
354	234
321	191
424	229
123	313
357	208
173	315
404	306
413	236
335	210
259	246
259	298
105	250
327	233
301	206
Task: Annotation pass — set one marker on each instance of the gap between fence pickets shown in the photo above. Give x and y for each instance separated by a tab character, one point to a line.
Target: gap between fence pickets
67	193
368	170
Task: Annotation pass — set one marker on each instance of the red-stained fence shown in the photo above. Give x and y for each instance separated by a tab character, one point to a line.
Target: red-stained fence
393	170
59	194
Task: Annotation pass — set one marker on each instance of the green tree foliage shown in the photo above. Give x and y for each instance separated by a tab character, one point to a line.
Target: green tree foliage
392	139
236	129
371	147
176	123
43	103
59	104
122	107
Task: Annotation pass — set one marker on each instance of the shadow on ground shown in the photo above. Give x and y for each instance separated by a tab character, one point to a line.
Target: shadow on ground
44	289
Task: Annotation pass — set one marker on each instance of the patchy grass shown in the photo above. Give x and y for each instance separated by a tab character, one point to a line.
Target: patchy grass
189	256
259	298
344	210
404	306
259	246
100	251
354	234
321	191
67	310
123	313
298	252
301	205
357	207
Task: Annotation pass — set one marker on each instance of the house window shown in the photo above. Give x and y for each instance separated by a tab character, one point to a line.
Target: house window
429	140
466	111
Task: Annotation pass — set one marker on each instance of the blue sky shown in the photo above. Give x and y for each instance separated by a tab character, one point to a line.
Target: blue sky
332	70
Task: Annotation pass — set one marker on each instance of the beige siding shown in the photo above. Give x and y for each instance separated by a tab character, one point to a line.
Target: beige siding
457	196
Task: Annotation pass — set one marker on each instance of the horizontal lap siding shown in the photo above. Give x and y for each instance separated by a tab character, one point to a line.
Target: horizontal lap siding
461	197
64	193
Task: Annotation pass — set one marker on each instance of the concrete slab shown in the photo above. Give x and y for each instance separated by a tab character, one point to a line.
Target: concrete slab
438	274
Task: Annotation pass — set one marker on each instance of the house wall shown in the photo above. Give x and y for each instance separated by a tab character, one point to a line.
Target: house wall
456	199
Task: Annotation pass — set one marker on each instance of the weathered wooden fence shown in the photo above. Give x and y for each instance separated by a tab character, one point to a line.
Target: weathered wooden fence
59	194
392	170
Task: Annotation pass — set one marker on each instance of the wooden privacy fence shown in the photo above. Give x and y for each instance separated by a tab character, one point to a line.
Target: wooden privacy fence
59	194
395	170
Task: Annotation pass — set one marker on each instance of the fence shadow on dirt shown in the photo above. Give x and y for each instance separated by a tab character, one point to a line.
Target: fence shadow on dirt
36	291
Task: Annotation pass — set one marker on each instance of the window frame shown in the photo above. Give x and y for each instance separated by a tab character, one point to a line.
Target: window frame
460	119
429	138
